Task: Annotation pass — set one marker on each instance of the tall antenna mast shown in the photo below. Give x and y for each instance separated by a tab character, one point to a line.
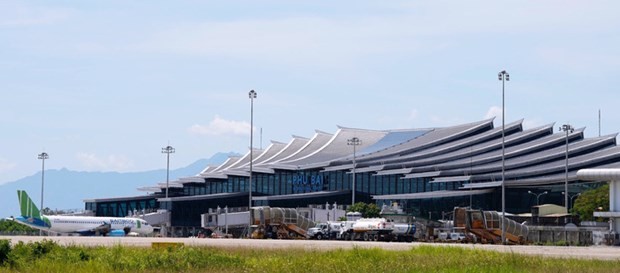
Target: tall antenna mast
599	122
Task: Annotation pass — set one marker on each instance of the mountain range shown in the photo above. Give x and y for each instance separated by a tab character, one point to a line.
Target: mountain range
66	189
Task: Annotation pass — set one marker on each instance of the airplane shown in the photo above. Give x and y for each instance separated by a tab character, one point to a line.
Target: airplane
83	225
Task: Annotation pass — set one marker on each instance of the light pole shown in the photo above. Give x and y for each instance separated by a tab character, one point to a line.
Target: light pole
167	150
568	129
571	197
43	156
537	196
226	219
503	76
252	96
353	142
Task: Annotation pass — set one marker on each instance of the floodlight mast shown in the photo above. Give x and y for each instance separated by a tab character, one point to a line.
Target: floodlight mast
537	196
355	141
43	156
572	197
252	96
167	150
568	129
503	76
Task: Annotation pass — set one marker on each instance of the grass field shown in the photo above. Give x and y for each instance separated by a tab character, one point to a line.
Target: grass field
47	256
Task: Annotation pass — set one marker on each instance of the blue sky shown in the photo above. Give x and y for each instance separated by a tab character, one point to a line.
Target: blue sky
104	85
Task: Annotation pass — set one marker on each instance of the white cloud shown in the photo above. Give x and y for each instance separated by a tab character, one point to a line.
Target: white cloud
468	16
220	126
438	121
17	13
532	123
369	33
336	41
494	111
576	59
93	162
6	166
413	114
316	41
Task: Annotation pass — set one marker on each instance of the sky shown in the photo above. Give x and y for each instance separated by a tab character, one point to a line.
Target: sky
104	85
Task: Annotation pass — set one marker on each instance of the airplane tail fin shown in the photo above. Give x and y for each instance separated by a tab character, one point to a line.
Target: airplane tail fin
27	207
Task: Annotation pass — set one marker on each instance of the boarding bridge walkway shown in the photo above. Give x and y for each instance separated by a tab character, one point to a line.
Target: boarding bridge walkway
158	218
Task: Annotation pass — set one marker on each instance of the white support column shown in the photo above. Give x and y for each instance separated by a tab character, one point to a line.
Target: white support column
614	203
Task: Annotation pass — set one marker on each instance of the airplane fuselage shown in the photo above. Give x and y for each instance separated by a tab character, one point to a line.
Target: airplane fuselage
86	224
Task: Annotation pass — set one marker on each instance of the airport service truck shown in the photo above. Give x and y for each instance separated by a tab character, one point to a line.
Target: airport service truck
363	229
403	232
368	229
329	231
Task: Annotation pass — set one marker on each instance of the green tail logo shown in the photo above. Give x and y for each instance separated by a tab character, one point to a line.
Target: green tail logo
27	207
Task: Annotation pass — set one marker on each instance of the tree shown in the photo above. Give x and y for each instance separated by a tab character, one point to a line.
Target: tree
367	210
590	201
12	226
46	211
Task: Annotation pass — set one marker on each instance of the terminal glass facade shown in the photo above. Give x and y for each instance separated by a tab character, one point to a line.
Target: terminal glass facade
427	171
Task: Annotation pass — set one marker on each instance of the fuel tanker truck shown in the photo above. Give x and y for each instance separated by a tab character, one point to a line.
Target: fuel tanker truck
325	231
403	232
394	225
368	229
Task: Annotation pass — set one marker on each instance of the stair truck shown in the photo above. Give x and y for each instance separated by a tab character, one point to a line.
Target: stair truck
279	223
486	226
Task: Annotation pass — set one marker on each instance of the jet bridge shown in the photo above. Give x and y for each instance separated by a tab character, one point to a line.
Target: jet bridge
612	176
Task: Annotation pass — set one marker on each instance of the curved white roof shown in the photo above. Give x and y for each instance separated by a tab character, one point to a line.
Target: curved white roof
532	157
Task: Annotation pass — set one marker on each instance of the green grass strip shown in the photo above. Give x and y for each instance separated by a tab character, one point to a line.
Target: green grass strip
47	256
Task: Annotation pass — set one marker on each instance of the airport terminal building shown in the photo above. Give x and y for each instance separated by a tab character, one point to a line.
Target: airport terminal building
427	171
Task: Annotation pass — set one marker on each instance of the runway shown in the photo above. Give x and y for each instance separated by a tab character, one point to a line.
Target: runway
591	252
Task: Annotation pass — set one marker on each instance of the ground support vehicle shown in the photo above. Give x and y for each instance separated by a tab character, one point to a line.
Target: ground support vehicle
368	229
278	223
486	226
327	231
403	233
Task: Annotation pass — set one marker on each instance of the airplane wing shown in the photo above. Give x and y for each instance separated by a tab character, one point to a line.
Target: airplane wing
103	229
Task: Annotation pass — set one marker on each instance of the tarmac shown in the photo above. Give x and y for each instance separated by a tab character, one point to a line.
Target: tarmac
589	252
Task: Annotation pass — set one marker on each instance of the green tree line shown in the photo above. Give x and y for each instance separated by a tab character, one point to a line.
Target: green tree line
7	226
592	200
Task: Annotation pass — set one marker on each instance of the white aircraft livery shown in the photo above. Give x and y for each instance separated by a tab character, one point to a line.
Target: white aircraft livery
84	225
